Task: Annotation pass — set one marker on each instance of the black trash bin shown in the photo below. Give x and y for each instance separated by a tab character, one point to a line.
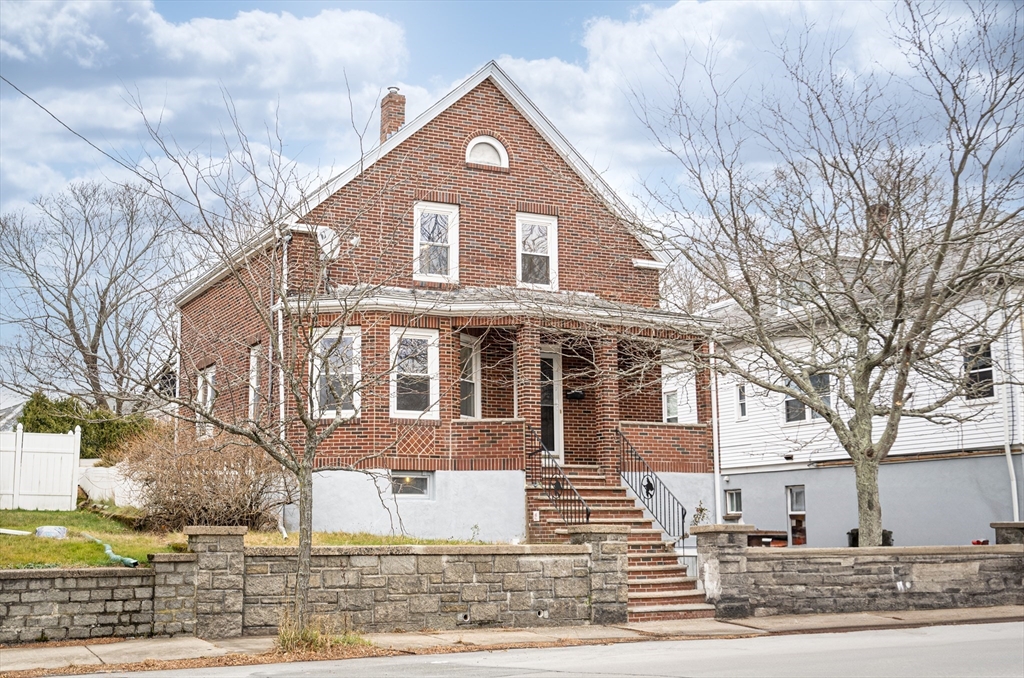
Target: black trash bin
853	537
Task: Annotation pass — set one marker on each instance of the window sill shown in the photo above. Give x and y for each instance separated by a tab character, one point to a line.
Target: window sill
400	419
487	168
536	286
442	279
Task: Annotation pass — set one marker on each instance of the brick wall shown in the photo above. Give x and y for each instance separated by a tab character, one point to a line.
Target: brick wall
75	603
743	581
672	448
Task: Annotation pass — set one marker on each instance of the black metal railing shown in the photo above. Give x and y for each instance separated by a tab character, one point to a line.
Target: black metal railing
543	471
668	511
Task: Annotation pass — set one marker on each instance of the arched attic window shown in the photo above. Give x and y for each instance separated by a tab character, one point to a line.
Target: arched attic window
484	150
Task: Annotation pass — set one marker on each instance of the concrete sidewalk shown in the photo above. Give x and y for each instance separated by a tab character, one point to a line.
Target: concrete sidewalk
164	649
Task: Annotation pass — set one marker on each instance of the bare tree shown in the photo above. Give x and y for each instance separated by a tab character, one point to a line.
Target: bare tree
266	352
87	275
866	230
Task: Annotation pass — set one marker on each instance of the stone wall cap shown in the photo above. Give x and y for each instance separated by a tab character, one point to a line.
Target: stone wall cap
1011	524
214	530
597	529
59	572
728	527
851	552
428	550
171	557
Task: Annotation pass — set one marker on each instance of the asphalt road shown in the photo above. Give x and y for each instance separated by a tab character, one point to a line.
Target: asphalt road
965	650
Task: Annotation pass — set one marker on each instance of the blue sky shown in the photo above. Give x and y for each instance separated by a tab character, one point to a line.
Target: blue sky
285	63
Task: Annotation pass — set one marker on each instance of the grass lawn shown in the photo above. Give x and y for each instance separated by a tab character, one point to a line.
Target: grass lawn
78	551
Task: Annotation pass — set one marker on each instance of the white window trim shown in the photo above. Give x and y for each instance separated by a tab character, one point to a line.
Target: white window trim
729	494
743	412
206	394
474	343
810	416
664	405
491	141
982	400
552	224
254	378
355	333
429	475
452	212
433	371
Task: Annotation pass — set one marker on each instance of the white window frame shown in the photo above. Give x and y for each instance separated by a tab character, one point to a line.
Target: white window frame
742	402
353	332
490	141
255	351
552	224
397	475
452	212
206	395
730	502
791	511
809	415
433	372
968	371
469	341
664	406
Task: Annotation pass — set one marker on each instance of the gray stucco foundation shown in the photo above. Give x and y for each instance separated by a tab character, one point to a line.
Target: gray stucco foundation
924	503
484	505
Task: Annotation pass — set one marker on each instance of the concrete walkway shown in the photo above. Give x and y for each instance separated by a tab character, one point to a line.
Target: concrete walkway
162	649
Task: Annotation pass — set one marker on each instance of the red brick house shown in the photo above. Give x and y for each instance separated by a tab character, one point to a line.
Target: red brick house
496	308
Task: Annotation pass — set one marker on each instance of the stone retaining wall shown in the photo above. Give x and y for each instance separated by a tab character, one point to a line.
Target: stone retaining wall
760	581
93	602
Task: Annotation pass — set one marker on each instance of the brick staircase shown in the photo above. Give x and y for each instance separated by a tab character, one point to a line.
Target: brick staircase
658	586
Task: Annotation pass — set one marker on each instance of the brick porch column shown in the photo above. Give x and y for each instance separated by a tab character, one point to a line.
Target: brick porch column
528	375
606	362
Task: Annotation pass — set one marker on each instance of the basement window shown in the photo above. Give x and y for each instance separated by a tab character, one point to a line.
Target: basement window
412	484
796	500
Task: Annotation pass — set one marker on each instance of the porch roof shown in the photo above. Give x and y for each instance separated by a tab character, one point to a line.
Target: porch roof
496	302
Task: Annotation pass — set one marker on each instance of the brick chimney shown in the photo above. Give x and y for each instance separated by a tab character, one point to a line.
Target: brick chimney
392	113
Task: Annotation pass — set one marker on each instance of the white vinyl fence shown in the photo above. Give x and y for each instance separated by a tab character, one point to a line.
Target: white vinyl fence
39	471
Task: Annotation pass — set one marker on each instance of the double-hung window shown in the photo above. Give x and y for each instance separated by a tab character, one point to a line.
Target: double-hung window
978	369
336	372
469	377
414	373
797	411
537	251
435	242
741	402
205	395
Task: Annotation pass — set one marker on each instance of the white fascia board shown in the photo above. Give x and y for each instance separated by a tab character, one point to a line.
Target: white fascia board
647	263
240	256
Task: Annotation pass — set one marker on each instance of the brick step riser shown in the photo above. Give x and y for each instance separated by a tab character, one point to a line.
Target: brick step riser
670	615
661	588
667	600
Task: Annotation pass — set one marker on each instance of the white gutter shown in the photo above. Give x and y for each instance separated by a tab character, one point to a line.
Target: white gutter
714	434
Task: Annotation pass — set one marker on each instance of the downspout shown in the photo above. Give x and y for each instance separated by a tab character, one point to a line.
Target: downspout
280	347
714	437
1007	394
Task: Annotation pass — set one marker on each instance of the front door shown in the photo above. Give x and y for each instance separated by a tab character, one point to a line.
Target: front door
551	403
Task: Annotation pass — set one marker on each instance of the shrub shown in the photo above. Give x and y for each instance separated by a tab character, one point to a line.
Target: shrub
102	430
207	482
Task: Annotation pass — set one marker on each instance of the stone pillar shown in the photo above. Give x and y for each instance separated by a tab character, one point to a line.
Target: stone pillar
609	577
606	363
1009	533
722	567
174	594
220	578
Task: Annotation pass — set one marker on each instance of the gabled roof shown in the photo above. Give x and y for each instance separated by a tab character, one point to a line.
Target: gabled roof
526	108
532	114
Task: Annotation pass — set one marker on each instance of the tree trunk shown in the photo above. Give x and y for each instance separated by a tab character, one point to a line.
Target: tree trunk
305	478
869	508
